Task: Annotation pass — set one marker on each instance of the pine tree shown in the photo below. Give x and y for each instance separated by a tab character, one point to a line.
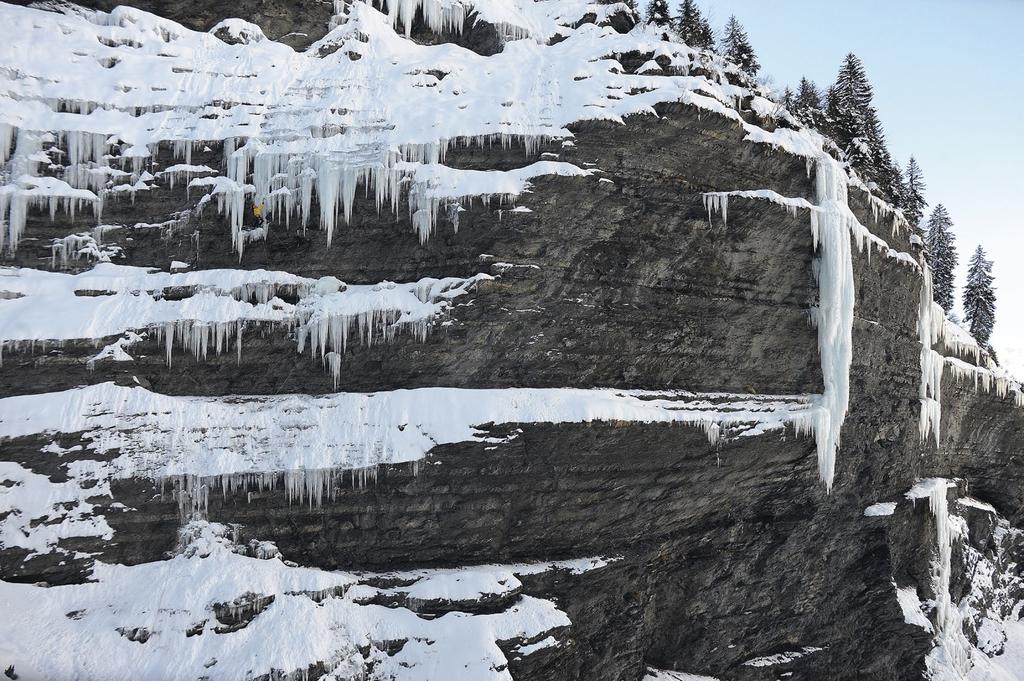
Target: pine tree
830	96
694	28
808	96
980	297
807	105
736	46
789	98
849	104
941	244
888	175
855	126
658	13
913	194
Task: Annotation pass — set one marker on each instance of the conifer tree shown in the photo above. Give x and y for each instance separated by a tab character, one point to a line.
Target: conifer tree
855	126
736	46
694	28
830	96
658	13
849	107
789	98
888	175
980	297
913	194
807	105
941	244
808	96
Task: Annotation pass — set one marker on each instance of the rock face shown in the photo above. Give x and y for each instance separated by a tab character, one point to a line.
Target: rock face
723	556
297	24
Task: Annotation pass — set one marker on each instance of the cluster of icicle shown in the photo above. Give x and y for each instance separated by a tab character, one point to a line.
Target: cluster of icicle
985	379
311	487
718	202
371	326
198	338
75	247
440	16
327	332
319	325
282	177
86	179
880	208
285	178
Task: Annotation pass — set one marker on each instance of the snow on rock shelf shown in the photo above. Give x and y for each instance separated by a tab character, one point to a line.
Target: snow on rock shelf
211	610
782	658
665	675
256	441
210	308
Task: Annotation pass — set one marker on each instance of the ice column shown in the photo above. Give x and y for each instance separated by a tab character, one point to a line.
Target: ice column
831	226
930	320
948	619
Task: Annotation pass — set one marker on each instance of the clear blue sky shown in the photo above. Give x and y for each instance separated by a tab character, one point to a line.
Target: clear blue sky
949	89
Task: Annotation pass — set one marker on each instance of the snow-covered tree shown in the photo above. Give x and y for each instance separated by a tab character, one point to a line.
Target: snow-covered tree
658	13
913	194
789	98
941	244
807	105
694	28
855	126
808	96
889	176
851	110
736	46
980	297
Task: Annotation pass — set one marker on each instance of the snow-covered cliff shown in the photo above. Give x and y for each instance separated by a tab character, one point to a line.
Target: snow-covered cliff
651	353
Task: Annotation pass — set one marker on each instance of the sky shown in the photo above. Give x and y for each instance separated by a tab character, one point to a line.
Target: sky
948	77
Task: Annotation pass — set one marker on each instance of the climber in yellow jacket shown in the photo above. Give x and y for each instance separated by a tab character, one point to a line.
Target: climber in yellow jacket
255	218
